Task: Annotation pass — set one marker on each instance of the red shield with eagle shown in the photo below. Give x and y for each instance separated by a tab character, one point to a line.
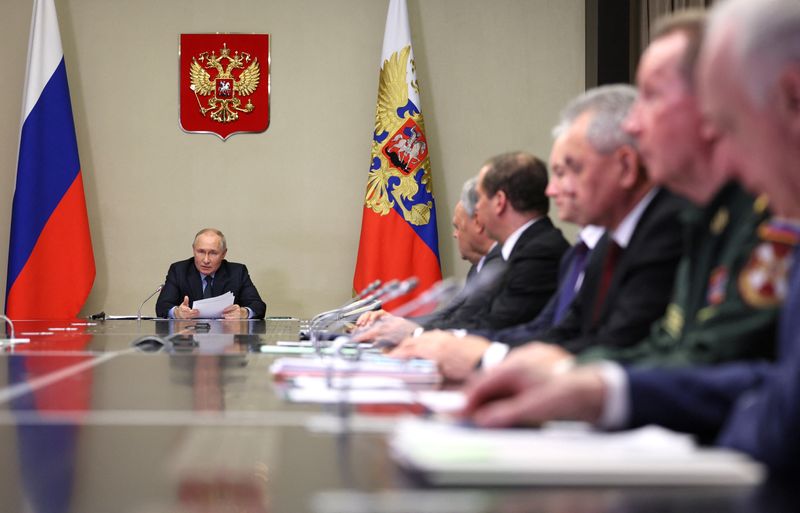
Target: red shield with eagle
224	83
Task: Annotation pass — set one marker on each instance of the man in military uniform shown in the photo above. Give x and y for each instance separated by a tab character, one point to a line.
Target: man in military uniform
723	306
749	93
719	311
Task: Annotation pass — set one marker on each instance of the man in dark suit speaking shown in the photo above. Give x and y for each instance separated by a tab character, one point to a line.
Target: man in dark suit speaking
207	274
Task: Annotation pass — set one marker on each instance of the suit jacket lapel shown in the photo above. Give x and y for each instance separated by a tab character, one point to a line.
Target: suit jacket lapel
632	250
221	279
540	226
223	284
195	285
532	231
591	282
494	253
624	258
472	271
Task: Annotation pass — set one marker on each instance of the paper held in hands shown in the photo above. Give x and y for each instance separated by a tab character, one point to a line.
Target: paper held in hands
212	307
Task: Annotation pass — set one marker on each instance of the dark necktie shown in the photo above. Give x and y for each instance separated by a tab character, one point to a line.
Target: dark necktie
609	265
207	290
566	291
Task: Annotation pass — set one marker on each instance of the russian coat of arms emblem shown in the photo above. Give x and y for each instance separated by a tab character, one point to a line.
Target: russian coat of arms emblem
400	176
224	83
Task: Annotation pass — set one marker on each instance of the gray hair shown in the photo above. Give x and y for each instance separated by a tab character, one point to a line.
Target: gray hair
610	105
469	196
767	37
215	232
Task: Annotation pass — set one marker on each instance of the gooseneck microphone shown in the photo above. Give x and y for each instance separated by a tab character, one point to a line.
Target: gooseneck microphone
369	289
13	340
438	294
139	311
389	291
365	292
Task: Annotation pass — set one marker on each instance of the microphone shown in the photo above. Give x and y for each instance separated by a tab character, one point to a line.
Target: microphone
369	302
139	311
488	278
361	295
369	289
398	288
13	340
406	286
387	288
390	292
445	291
439	293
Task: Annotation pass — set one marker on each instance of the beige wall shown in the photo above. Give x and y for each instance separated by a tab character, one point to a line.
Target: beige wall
493	75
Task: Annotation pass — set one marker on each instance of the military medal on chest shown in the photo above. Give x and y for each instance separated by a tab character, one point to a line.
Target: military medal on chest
764	280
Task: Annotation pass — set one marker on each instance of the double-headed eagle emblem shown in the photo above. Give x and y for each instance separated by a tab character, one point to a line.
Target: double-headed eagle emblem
225	89
400	162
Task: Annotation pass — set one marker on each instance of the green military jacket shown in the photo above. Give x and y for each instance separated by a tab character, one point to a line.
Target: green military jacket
727	291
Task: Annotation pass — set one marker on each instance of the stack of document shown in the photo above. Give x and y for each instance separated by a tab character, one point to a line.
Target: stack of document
448	454
369	390
409	372
212	308
373	379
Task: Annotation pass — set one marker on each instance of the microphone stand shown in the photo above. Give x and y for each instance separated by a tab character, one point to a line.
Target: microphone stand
325	319
13	340
365	296
389	291
139	311
401	289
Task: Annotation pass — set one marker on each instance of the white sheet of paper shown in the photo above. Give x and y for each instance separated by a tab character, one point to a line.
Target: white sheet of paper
212	307
454	454
442	401
372	390
352	396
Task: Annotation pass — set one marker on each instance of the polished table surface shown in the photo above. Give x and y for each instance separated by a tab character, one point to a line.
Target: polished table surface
92	422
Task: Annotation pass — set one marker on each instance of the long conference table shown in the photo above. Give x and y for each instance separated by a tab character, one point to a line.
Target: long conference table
97	417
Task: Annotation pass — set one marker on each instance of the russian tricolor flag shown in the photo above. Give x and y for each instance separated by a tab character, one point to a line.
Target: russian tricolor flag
50	262
398	227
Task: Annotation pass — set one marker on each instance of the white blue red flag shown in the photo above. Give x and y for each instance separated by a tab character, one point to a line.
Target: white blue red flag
50	262
398	227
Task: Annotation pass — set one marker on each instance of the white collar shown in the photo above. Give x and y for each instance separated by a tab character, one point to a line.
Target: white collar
511	241
591	234
624	231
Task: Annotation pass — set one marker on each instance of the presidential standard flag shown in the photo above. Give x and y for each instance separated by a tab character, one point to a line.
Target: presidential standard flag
50	260
398	227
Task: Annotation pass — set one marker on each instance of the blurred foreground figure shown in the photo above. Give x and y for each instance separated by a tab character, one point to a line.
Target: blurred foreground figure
749	86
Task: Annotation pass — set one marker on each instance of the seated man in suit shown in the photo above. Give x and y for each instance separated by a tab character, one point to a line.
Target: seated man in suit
458	356
207	274
629	277
712	317
749	87
473	245
571	271
512	207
